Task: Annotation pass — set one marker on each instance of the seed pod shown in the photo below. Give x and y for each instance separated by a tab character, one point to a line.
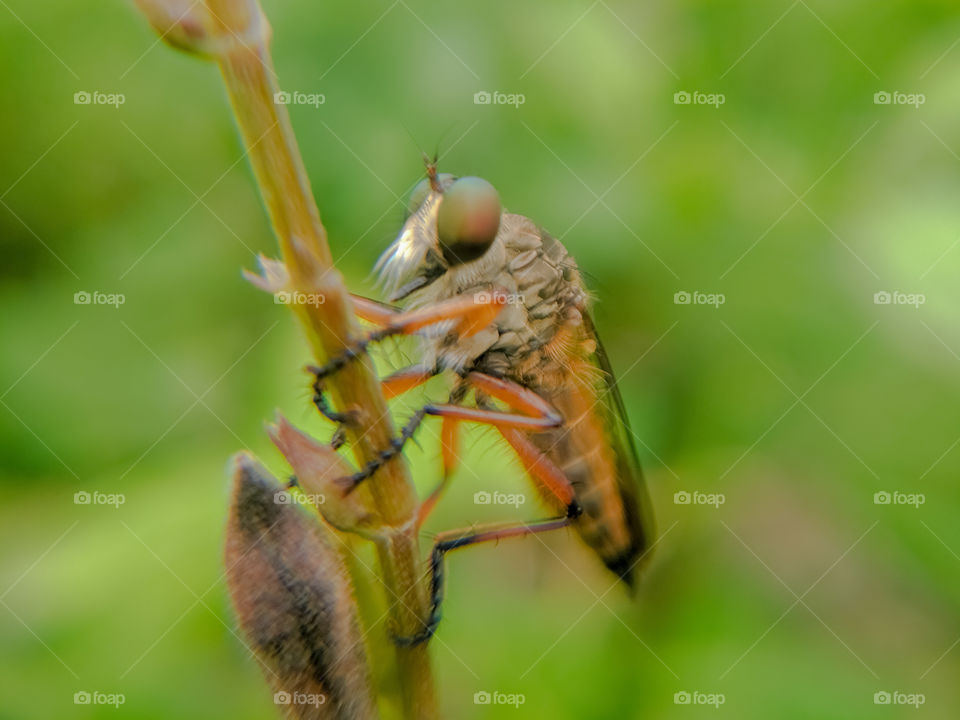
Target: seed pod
294	601
468	219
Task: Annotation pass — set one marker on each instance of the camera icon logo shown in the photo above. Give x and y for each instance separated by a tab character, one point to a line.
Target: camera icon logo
82	98
281	98
882	98
282	698
482	497
882	498
482	698
681	498
81	698
282	497
881	698
282	298
681	298
882	298
81	498
82	298
482	98
682	98
681	698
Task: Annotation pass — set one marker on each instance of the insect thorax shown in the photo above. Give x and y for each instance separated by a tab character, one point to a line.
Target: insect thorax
540	333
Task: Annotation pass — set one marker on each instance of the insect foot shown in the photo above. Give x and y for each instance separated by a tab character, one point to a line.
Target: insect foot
349	418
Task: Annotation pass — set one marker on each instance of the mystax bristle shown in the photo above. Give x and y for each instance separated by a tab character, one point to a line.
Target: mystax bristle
421	191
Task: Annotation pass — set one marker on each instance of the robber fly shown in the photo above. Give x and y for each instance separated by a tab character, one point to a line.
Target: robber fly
501	304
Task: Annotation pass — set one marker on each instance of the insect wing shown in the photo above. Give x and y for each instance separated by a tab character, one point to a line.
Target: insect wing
637	507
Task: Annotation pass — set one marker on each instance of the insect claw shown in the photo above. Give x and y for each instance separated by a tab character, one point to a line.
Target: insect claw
292	482
429	630
350	417
339	437
412	640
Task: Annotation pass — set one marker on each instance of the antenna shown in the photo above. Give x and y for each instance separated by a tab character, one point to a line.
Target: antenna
431	167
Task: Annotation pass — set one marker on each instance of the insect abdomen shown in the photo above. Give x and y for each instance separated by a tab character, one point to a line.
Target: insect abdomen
586	455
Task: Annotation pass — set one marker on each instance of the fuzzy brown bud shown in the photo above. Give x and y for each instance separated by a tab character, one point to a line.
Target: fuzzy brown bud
294	601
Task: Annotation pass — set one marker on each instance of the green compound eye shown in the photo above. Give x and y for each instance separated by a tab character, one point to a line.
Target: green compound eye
468	219
421	191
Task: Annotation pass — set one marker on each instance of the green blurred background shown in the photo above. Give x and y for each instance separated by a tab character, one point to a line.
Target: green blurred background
798	398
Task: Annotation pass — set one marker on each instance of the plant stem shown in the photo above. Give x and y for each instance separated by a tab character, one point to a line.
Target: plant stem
268	135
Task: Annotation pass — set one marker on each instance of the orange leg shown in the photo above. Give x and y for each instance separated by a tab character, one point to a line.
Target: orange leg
537	464
373	311
449	450
445	542
449	440
472	313
542	468
406	379
540	416
395	384
535	413
512	426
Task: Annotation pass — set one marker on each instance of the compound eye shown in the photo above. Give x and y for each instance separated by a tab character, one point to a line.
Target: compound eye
468	219
421	191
